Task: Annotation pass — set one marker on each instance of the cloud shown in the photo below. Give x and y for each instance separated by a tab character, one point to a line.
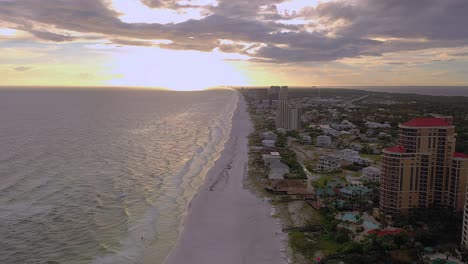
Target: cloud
127	42
22	68
169	4
337	29
44	35
461	54
431	19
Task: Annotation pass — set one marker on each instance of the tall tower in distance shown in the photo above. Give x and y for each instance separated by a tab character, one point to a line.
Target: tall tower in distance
282	114
287	116
283	93
273	92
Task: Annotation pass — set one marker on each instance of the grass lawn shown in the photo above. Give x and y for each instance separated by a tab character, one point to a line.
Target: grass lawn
374	158
325	178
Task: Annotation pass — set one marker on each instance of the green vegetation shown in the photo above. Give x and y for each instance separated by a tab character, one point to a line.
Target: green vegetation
328	177
366	149
281	141
354	167
315	218
309	245
375	158
289	158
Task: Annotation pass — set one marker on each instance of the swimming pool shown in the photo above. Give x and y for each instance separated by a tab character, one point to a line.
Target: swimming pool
351	217
369	225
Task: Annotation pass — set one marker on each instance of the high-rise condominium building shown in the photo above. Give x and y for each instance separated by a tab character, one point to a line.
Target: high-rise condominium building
423	170
283	93
464	240
273	92
288	116
258	93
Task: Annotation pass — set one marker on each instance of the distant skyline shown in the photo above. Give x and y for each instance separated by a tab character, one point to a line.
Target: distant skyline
195	44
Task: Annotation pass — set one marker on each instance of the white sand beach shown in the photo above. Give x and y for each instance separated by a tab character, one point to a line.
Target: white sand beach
227	223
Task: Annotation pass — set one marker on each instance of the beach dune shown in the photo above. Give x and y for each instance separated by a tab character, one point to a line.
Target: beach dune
226	223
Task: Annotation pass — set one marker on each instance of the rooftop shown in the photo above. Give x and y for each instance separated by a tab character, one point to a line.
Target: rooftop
380	232
396	149
427	122
460	155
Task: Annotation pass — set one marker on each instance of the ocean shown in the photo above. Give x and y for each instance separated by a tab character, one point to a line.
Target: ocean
103	175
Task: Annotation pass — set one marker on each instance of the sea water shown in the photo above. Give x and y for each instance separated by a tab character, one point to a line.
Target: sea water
103	175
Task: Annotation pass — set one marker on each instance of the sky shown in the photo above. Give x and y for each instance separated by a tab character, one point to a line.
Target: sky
196	44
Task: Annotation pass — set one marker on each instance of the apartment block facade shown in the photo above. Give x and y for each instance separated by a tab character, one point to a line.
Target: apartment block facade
288	116
464	240
423	170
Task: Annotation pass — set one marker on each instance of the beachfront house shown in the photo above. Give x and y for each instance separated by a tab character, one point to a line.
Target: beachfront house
269	135
268	144
268	158
277	171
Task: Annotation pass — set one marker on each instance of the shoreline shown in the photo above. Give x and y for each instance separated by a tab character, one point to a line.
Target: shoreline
225	221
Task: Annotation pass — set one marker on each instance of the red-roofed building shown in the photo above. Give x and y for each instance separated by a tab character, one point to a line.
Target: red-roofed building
396	149
380	232
460	155
414	173
427	122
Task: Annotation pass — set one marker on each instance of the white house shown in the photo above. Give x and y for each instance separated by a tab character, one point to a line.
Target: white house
383	135
268	158
347	124
328	163
350	155
344	125
371	174
306	139
331	132
377	125
269	135
324	141
282	131
268	144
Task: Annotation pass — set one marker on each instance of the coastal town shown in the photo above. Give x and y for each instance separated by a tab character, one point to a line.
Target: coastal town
361	177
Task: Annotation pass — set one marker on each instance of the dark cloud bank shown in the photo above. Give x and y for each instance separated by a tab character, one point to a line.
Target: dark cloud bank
337	29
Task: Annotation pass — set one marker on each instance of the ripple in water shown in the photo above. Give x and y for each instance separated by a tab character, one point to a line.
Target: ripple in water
103	176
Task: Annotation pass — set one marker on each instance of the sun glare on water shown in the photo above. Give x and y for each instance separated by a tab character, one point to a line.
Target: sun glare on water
174	70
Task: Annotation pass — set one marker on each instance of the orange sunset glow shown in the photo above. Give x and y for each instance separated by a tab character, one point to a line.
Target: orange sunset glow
191	45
